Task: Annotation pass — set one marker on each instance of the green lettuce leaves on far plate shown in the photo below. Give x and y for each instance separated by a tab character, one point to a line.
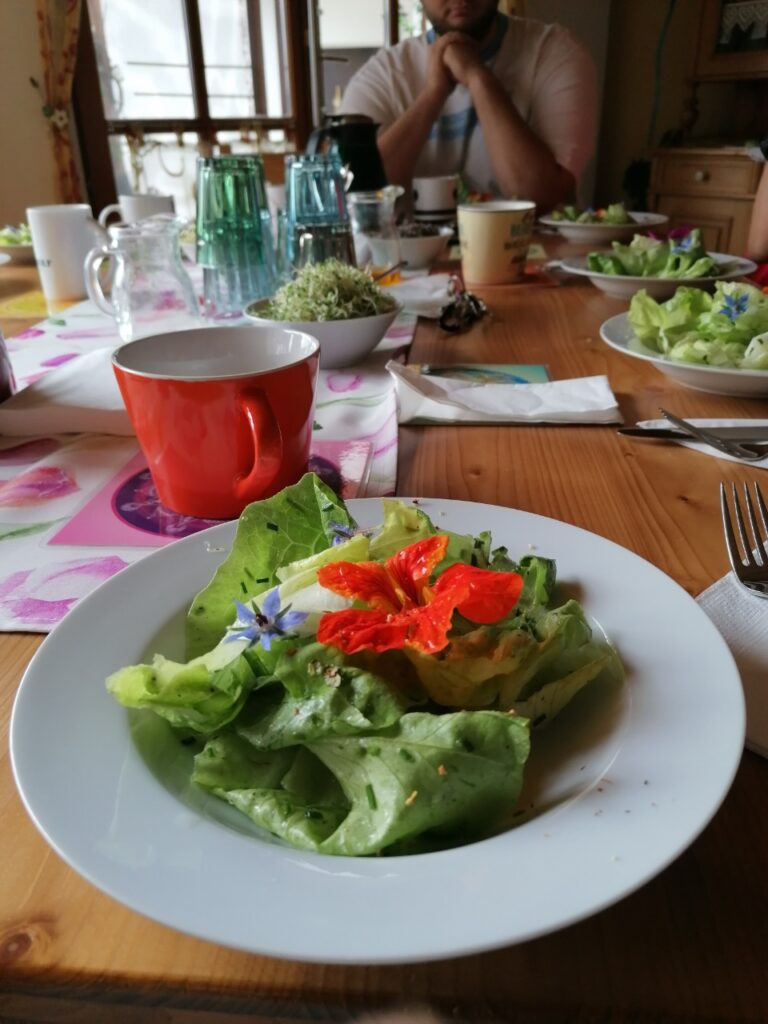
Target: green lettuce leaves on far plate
654	257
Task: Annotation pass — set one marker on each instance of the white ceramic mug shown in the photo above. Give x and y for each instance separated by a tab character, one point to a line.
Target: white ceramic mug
134	208
62	235
7	379
435	198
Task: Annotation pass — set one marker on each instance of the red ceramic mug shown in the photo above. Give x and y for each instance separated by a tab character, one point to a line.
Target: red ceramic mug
223	414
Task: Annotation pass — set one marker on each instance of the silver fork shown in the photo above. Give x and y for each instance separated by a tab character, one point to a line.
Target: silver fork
750	569
737	449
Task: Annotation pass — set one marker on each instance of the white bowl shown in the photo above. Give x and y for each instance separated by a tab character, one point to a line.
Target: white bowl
618	333
621	286
18	253
423	251
342	342
604	234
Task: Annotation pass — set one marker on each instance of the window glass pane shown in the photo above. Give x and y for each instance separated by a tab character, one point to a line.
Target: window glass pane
143	60
411	19
163	163
349	34
246	68
353	26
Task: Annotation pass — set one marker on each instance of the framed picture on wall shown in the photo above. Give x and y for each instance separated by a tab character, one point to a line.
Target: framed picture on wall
733	40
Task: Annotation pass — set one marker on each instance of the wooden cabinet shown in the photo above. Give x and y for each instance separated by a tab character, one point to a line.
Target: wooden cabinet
711	189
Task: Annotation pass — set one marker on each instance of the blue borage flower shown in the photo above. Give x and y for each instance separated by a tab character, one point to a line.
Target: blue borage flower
340	533
734	306
684	244
266	624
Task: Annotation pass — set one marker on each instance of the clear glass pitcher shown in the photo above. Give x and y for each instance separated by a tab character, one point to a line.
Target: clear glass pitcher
149	289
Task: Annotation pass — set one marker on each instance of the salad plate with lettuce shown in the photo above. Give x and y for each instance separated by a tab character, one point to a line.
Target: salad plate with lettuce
603	225
711	342
345	732
16	244
657	265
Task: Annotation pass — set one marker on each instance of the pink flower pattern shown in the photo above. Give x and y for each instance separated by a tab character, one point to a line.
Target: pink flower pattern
28	451
58	360
42	597
341	382
37	486
37	596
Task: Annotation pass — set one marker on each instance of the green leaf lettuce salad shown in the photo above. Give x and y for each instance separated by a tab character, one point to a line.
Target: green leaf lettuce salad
389	749
614	213
10	235
727	329
654	257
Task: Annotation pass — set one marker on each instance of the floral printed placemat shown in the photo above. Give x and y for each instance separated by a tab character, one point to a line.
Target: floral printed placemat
77	508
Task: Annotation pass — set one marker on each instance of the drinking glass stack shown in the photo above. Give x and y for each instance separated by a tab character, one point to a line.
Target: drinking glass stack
318	225
234	234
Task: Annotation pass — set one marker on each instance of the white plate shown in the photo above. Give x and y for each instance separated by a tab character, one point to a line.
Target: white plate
17	253
625	779
603	234
618	333
4	258
620	286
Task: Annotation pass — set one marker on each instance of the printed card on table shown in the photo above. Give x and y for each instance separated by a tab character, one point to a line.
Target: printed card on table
486	373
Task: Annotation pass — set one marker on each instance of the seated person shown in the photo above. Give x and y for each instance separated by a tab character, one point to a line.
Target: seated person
757	242
509	103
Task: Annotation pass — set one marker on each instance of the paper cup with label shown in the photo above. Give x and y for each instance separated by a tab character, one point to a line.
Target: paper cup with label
494	239
223	415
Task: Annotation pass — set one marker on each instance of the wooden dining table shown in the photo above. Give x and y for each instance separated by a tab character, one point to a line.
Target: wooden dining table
690	945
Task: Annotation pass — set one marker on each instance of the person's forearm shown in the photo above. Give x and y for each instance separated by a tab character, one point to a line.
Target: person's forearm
401	144
522	164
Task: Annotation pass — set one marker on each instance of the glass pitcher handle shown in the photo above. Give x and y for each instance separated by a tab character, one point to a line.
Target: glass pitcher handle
93	261
267	446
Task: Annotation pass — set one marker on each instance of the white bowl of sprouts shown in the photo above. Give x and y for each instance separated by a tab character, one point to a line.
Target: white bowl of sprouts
337	304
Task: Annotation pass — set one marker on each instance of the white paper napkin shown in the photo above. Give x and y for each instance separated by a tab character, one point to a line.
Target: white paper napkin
743	621
699	446
81	396
422	399
424	295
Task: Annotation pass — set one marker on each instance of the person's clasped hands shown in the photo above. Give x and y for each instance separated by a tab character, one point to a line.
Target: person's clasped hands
452	58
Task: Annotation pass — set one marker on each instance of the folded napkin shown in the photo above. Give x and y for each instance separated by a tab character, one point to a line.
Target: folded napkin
423	399
80	396
424	295
743	621
699	446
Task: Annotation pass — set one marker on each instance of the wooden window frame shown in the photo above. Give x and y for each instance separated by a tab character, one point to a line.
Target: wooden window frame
94	129
713	65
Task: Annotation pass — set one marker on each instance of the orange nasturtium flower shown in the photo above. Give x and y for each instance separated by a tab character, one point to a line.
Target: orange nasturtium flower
403	609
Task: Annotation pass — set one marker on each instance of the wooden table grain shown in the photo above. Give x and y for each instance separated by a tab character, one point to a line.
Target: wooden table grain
690	946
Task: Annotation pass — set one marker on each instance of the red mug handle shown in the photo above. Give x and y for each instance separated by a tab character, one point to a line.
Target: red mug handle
267	446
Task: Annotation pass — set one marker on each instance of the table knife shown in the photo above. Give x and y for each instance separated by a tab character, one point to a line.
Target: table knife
745	433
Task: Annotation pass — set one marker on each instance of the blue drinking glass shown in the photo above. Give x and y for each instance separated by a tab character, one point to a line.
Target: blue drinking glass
318	226
234	236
